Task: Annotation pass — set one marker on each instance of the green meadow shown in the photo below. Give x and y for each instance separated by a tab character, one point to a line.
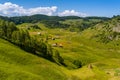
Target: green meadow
91	53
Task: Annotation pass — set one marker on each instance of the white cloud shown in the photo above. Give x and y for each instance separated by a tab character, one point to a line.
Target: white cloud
10	9
42	10
72	13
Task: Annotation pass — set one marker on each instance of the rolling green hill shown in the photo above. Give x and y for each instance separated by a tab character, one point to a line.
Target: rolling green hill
105	32
91	54
16	64
80	48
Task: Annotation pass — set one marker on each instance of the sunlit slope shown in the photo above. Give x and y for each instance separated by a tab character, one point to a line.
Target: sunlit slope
16	64
105	32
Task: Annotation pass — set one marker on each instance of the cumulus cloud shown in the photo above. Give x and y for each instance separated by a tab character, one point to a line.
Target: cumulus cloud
42	10
72	13
10	9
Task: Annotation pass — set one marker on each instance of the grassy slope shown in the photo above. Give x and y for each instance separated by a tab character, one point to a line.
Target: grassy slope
16	64
77	46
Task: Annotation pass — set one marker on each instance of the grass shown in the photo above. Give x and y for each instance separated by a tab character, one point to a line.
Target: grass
16	64
80	46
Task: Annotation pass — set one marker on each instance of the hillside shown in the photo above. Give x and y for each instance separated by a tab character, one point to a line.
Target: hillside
16	64
79	51
61	53
105	32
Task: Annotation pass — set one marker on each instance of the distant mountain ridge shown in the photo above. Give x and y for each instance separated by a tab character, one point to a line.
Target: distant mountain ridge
39	17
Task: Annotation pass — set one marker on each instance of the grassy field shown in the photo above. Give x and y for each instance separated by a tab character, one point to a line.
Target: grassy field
16	64
77	47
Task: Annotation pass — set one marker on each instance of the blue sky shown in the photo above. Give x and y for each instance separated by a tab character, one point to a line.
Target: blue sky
69	7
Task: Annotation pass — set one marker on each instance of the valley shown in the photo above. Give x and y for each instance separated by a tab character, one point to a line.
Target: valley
79	50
